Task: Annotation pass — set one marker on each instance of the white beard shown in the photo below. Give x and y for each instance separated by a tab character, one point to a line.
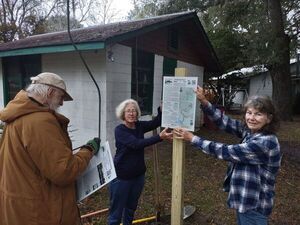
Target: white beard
54	107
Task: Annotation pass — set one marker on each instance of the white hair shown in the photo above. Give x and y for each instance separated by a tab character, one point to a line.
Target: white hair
120	109
38	89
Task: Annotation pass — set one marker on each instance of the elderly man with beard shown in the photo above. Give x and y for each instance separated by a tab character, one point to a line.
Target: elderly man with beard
37	167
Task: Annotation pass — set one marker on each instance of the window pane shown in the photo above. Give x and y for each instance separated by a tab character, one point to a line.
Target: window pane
142	84
17	73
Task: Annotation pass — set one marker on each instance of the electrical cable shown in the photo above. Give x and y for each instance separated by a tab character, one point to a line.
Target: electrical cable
85	64
158	206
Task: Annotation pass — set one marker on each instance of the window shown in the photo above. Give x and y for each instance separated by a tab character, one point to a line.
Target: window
17	72
142	79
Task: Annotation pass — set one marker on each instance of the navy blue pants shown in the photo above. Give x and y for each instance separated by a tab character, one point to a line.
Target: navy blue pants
124	197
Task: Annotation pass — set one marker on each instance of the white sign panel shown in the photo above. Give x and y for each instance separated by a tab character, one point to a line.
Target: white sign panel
99	172
179	102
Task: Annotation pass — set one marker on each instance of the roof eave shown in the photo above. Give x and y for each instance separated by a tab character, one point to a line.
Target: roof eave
153	27
149	28
53	49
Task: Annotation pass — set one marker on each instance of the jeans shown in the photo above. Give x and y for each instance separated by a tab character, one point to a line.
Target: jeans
124	197
251	217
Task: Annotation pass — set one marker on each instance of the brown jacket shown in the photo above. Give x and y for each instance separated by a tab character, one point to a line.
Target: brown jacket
37	167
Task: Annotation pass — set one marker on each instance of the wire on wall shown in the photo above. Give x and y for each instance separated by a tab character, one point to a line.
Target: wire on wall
86	66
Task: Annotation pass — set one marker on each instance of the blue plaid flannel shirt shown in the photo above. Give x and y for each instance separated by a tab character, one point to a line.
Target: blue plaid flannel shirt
253	164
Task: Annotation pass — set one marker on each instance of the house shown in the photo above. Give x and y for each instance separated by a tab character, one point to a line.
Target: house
127	59
261	83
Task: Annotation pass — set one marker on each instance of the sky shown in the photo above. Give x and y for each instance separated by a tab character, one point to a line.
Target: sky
123	7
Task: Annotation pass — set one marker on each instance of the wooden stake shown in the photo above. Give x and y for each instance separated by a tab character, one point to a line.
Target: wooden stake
178	171
157	184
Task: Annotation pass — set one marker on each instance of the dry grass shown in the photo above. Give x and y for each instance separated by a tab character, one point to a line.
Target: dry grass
203	183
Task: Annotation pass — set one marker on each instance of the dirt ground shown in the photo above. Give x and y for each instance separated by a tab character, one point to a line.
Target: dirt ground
203	184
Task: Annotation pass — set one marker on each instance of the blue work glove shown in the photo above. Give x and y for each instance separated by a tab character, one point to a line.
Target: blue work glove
93	145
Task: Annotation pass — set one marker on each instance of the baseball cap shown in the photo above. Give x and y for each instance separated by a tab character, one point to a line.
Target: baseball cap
53	80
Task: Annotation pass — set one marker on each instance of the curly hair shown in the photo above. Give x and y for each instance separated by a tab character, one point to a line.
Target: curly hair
120	109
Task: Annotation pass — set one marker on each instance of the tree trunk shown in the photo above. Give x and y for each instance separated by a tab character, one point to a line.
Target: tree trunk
282	91
280	69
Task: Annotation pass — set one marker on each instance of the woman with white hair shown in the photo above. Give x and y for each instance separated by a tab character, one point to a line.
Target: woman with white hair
129	161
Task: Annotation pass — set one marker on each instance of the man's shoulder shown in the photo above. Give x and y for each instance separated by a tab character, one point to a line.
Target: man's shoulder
38	117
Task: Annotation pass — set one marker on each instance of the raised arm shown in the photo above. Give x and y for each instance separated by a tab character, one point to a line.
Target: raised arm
221	120
152	124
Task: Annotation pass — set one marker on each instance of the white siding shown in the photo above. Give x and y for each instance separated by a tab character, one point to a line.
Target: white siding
118	86
114	80
1	86
261	85
157	83
83	111
194	71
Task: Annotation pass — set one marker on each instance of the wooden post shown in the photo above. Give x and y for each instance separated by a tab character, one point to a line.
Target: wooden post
157	184
178	172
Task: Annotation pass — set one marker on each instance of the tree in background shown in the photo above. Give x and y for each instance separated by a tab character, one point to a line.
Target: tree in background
59	23
144	8
22	18
103	12
261	34
244	33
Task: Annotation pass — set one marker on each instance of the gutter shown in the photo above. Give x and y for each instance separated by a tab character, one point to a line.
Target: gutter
53	49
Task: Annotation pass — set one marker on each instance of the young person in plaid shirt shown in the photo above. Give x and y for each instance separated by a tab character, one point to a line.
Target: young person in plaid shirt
253	163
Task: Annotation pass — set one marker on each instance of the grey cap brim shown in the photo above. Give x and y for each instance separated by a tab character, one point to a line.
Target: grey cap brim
67	97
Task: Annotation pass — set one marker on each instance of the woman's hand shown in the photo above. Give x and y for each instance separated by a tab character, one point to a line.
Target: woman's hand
181	133
201	95
165	135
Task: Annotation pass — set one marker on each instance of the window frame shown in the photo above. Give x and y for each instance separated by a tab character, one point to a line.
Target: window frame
143	65
18	69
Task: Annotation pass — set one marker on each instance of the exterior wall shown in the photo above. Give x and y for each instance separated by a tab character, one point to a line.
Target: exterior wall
190	43
114	80
294	69
118	86
157	83
1	86
83	111
239	98
261	85
195	71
